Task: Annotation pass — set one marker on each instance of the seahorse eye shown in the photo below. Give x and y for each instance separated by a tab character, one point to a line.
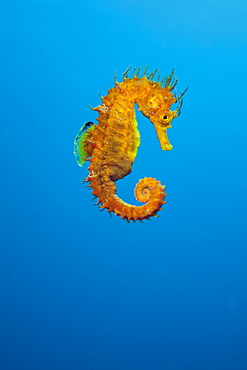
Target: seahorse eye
165	117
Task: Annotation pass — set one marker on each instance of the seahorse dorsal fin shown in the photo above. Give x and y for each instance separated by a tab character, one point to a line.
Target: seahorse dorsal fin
80	151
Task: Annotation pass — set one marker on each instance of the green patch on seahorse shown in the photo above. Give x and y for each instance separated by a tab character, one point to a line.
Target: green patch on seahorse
80	151
134	140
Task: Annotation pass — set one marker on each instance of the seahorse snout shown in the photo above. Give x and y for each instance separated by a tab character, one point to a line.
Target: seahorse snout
163	138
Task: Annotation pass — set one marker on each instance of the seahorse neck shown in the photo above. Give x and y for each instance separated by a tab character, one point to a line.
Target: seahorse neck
136	87
129	92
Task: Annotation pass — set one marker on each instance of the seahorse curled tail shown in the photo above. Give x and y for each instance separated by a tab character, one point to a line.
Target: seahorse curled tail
148	190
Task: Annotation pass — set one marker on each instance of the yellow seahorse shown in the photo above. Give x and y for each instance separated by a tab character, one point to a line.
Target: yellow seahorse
112	144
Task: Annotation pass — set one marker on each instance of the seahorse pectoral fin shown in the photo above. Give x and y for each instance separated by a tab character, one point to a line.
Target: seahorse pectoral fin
163	138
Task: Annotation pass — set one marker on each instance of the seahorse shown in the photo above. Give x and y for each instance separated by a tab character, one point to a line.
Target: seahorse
111	145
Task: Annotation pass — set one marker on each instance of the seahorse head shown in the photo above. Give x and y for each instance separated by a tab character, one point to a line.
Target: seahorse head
155	105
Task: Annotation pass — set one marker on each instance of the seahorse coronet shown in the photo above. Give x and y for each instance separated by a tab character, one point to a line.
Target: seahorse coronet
111	145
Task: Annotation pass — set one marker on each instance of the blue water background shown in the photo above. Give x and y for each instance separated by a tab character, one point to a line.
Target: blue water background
81	290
